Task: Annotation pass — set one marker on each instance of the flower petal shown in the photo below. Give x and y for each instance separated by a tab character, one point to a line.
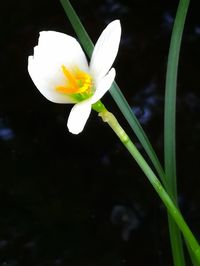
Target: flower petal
54	50
61	49
78	116
104	86
105	50
46	84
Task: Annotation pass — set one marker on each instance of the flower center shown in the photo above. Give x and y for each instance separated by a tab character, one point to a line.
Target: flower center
78	83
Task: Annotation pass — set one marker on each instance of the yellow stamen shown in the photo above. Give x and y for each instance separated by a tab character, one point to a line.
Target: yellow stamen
77	81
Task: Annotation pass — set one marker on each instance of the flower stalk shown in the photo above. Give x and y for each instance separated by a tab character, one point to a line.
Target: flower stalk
111	120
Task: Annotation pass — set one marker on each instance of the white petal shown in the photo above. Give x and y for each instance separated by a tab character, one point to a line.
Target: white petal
78	116
54	50
104	86
105	50
46	84
61	49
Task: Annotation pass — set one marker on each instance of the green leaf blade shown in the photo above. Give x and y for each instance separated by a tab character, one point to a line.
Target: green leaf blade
170	127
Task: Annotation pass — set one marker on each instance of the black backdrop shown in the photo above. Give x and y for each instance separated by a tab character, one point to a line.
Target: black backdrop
81	200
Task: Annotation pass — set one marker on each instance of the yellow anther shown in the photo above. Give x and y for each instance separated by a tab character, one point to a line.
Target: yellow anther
77	81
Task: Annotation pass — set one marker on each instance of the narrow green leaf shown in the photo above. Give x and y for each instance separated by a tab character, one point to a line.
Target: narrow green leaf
176	243
170	127
137	128
78	27
170	97
115	91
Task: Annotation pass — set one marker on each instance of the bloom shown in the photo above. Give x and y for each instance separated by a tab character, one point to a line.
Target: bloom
60	71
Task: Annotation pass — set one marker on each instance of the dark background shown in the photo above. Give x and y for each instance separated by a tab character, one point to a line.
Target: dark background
81	200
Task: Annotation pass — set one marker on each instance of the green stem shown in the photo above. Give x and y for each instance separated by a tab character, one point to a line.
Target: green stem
168	202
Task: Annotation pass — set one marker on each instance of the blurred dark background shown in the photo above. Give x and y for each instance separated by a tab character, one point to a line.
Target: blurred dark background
81	200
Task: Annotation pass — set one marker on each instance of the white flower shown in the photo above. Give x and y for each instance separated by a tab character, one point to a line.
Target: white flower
60	71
